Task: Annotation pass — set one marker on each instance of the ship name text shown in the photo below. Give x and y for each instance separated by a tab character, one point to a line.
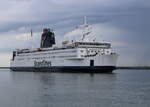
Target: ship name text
42	63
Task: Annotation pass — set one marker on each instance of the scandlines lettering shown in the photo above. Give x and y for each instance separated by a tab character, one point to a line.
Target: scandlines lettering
42	63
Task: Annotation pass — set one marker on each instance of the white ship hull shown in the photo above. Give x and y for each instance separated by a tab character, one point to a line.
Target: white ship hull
66	60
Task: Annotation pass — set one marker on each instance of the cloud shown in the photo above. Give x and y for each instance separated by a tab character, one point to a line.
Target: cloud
18	13
124	23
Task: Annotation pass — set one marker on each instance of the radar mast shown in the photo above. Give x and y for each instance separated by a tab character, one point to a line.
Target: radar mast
87	29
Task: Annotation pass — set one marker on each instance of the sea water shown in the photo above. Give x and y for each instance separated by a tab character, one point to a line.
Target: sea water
122	88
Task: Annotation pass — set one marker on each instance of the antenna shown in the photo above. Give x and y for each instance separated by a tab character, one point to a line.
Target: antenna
31	32
85	22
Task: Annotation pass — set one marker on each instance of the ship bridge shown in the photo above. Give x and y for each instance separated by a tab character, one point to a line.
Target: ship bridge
92	45
104	45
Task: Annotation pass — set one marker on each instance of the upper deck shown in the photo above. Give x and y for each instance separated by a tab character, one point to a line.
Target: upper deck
67	45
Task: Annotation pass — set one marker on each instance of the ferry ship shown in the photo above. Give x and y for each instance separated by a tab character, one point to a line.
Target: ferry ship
83	55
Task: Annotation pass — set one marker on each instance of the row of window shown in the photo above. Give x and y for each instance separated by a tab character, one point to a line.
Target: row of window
82	43
47	53
36	58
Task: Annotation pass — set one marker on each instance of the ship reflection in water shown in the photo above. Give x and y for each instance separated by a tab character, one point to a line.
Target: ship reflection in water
45	89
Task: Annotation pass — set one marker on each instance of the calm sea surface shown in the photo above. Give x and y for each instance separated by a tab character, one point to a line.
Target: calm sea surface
123	88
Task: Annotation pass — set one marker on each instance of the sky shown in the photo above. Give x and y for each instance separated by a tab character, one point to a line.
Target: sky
124	23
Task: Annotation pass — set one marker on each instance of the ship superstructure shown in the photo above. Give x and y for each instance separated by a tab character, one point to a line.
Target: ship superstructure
83	55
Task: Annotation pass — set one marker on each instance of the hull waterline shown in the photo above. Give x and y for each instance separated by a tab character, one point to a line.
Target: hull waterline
70	69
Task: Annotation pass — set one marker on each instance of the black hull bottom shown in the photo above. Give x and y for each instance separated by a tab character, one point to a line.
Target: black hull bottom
70	69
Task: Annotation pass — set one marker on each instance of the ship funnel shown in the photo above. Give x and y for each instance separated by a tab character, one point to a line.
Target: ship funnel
47	38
